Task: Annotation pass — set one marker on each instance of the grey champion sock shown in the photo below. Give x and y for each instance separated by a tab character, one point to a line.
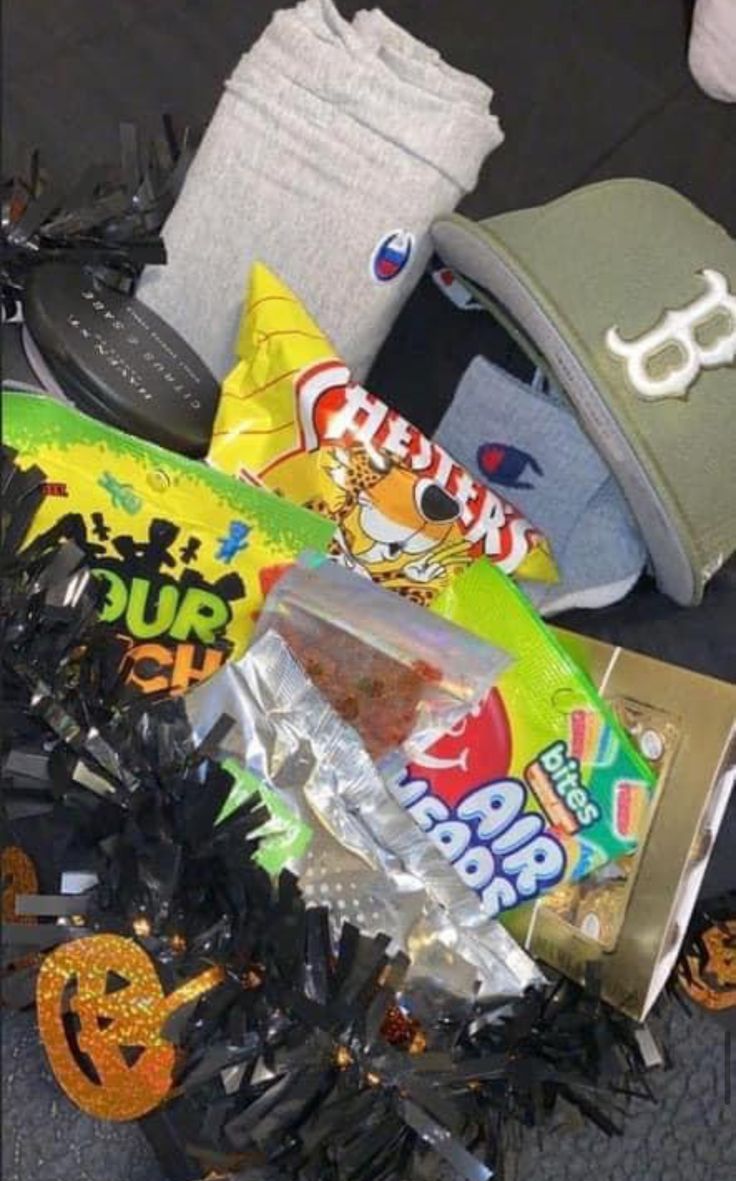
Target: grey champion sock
332	150
530	446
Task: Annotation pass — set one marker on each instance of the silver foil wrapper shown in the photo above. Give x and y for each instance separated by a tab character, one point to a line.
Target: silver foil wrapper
320	602
367	860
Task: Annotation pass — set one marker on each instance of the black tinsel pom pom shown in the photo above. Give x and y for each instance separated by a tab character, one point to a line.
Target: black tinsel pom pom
304	1062
111	220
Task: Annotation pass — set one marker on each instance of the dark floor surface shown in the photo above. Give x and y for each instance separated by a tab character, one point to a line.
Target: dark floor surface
586	89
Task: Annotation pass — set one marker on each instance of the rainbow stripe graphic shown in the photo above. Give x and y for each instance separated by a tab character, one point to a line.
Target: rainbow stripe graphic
630	802
592	741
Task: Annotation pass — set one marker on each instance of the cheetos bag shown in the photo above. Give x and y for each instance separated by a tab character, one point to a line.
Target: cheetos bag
406	515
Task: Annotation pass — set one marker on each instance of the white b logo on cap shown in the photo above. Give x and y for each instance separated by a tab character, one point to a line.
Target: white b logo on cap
676	329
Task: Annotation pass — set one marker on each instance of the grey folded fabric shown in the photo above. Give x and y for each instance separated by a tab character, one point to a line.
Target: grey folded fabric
332	150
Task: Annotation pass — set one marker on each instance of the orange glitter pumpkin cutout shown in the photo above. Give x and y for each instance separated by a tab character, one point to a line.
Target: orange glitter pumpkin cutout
713	985
116	1064
19	877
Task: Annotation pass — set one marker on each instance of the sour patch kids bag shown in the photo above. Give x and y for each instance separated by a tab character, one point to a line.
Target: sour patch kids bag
186	554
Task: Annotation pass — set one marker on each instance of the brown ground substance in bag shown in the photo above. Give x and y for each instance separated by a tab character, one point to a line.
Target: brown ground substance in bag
378	696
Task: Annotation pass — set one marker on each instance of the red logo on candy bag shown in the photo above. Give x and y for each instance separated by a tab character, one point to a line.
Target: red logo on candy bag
476	750
268	576
461	796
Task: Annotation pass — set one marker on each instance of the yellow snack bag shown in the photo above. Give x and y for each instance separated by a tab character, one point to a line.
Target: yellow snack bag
406	514
186	554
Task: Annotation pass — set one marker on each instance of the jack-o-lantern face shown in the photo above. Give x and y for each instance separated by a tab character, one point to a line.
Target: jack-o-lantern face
101	1009
19	877
712	981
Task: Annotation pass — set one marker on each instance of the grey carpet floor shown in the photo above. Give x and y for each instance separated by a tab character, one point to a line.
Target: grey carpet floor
687	1135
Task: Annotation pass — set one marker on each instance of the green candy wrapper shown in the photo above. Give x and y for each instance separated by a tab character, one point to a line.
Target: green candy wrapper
186	554
539	784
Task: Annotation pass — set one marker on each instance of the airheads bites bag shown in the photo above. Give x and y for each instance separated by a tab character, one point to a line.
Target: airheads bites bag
406	514
186	554
540	784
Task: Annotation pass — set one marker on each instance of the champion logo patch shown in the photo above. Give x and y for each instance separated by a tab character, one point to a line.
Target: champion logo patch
452	287
392	255
503	464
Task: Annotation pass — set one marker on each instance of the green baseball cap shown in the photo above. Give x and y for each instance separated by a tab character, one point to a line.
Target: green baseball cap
629	293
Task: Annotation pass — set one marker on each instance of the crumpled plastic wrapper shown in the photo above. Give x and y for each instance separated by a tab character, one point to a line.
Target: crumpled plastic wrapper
366	859
397	674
